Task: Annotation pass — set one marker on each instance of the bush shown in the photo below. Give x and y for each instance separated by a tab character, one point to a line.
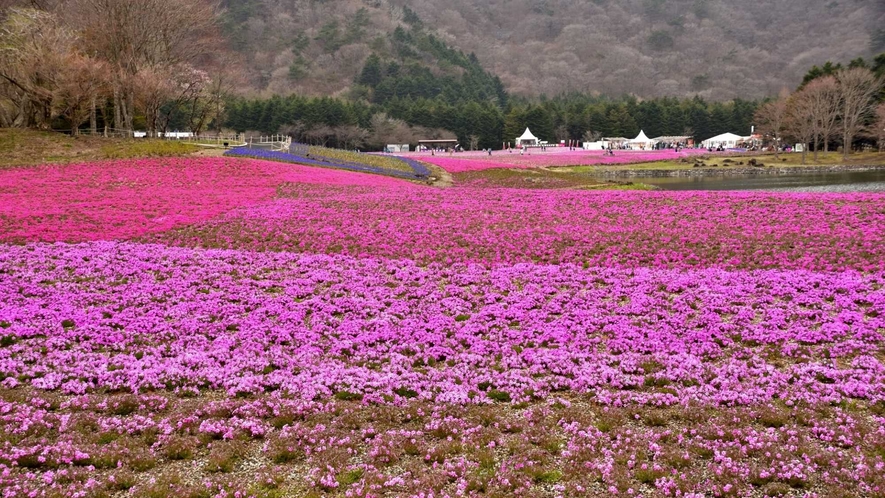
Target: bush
348	396
501	396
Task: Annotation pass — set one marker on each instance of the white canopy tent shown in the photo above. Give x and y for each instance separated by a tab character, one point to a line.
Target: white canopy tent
642	141
726	141
527	139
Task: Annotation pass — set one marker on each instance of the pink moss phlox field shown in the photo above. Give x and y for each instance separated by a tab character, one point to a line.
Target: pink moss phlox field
275	330
478	161
122	199
506	226
130	317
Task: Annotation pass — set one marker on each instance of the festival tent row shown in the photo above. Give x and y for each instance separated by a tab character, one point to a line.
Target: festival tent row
725	141
640	142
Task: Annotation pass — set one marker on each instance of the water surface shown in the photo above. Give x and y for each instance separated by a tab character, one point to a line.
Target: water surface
846	181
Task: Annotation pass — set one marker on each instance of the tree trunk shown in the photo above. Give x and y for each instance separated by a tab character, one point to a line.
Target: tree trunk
846	145
804	151
117	105
126	111
93	121
816	146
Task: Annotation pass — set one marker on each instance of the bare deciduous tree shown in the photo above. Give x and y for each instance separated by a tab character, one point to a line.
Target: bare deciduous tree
857	89
34	48
152	89
592	136
473	141
824	97
83	82
771	119
351	136
800	123
879	126
319	135
139	36
561	133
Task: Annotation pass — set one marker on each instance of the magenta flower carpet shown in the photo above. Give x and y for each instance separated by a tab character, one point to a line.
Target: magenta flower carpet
229	327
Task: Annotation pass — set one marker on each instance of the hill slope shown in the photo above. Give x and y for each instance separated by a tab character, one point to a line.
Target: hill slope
714	48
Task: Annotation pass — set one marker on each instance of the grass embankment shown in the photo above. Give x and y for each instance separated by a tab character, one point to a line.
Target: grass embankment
738	161
29	147
558	178
375	160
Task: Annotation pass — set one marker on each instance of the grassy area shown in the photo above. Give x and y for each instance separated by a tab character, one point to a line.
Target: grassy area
370	159
739	161
28	147
557	178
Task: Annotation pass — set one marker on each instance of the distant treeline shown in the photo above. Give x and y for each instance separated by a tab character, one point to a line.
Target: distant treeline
422	88
396	100
487	124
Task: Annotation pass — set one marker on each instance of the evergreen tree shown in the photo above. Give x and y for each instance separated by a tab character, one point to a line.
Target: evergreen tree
371	74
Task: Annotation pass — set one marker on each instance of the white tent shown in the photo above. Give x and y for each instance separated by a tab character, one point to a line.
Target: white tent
726	141
527	139
642	141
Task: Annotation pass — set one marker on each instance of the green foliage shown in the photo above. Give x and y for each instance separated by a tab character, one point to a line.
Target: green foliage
828	69
654	8
330	37
409	74
298	69
700	82
300	43
547	477
701	9
877	40
660	40
411	18
406	392
879	65
348	477
494	124
348	396
234	19
356	26
500	396
371	74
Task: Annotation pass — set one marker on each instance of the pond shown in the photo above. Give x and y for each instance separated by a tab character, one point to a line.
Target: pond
846	181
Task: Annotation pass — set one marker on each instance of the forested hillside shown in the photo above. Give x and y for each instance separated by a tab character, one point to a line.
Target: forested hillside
713	48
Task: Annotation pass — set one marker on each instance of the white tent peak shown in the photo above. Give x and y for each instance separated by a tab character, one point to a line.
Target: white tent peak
725	137
641	138
527	135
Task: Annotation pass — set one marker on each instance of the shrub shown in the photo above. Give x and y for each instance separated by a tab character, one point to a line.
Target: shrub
348	396
348	477
406	392
223	456
179	448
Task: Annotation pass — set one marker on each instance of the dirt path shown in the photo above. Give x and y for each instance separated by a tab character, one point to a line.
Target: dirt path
209	152
441	177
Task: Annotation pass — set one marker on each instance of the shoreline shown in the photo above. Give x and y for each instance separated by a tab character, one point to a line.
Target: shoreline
728	171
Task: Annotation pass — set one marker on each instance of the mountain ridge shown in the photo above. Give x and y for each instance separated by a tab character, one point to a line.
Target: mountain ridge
648	48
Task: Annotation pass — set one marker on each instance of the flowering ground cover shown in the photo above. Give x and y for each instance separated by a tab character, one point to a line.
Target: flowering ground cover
233	327
474	161
495	226
121	199
366	377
